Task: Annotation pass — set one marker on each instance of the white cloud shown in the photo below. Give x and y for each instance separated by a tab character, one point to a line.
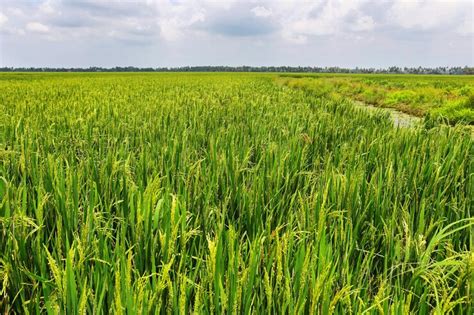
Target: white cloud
327	18
174	28
37	27
3	19
48	6
294	38
363	23
272	23
296	20
171	29
8	29
313	27
16	12
426	15
261	11
466	28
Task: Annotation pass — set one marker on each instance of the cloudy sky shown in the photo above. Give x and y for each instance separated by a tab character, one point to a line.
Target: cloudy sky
155	33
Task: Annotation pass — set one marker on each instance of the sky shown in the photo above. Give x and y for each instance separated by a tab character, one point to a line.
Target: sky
171	33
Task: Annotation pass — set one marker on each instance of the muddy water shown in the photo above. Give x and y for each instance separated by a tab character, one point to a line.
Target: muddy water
400	119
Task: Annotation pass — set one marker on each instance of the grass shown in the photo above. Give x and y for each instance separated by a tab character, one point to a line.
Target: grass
225	193
447	97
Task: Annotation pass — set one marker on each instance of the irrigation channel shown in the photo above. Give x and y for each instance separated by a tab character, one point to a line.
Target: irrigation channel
400	119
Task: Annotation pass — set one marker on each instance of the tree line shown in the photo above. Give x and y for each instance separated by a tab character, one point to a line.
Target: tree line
394	70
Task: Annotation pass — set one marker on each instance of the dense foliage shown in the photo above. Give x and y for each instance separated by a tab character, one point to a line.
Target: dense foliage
406	70
215	193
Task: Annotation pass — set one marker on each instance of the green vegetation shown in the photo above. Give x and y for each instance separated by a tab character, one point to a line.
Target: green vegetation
449	97
225	193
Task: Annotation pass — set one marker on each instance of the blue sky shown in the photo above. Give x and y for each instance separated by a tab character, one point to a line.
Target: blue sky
156	33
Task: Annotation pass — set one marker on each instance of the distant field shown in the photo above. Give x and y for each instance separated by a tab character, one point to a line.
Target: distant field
448	97
234	193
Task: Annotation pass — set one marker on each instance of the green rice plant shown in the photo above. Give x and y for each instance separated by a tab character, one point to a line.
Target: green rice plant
443	96
458	111
228	193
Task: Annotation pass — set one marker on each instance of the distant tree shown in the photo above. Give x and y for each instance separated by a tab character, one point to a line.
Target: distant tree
394	69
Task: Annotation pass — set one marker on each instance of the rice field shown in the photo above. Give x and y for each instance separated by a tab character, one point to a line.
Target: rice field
226	194
450	98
